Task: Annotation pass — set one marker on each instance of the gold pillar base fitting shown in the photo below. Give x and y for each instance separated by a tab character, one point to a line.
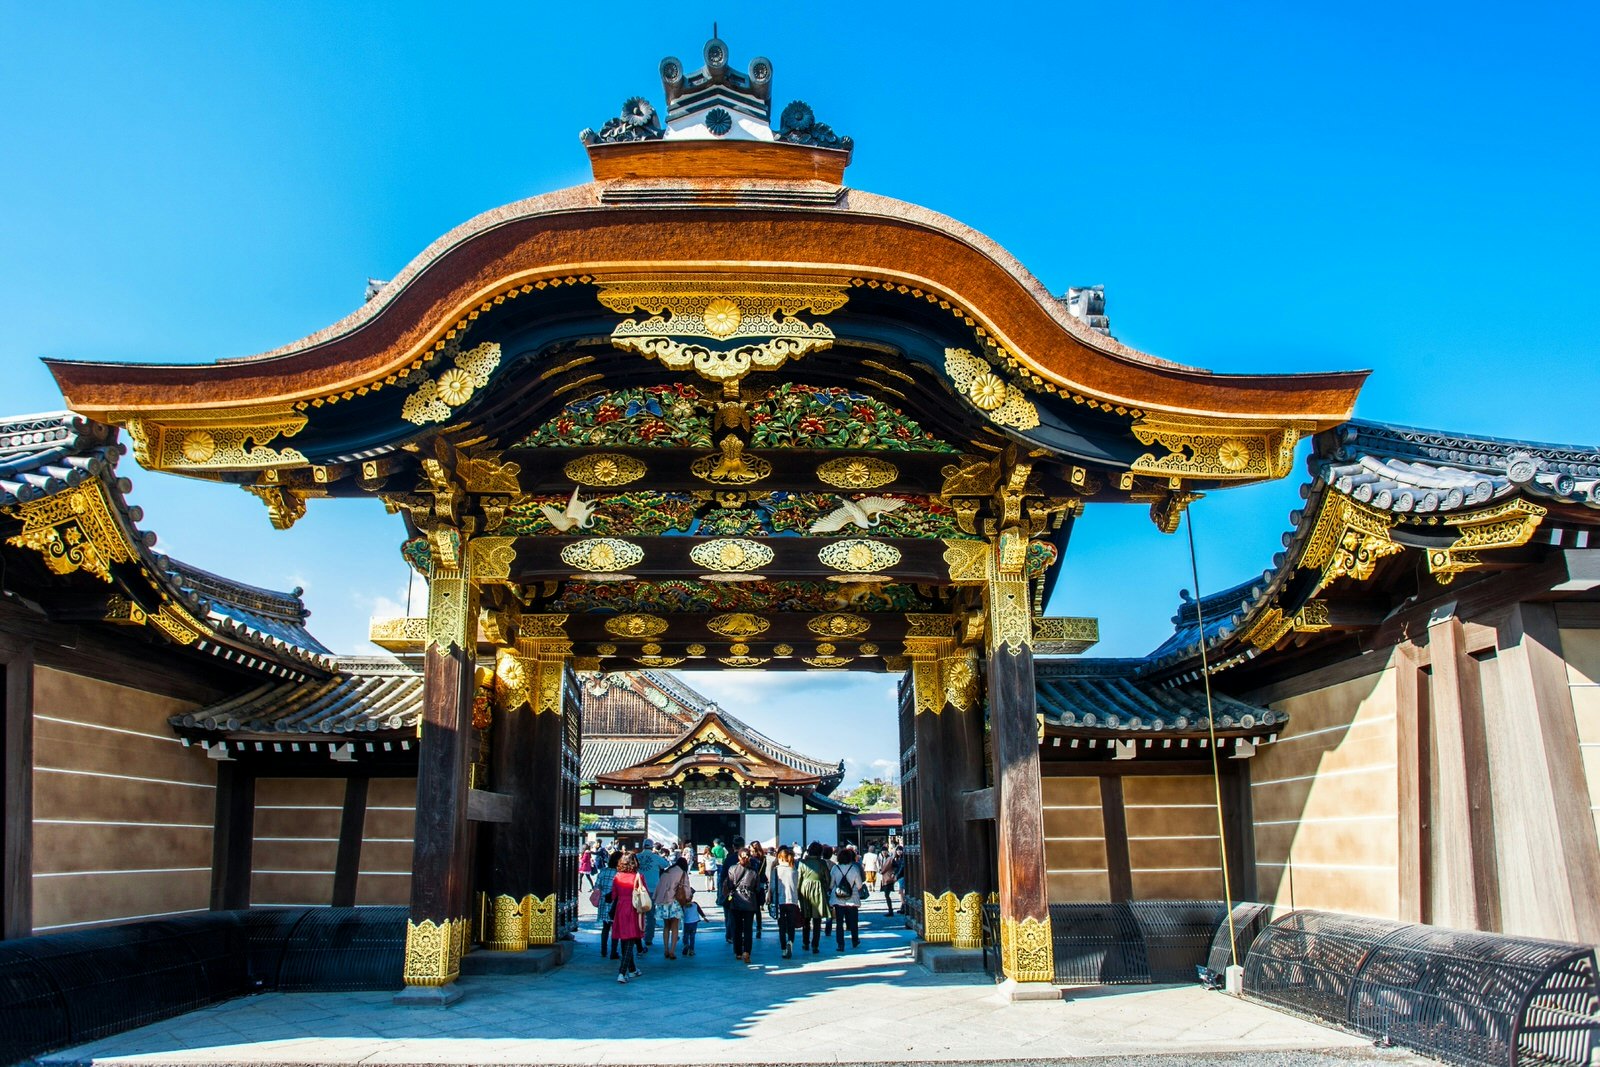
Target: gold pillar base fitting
507	927
433	951
539	917
1027	953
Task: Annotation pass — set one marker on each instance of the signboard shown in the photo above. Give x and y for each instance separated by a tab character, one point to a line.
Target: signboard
617	824
715	798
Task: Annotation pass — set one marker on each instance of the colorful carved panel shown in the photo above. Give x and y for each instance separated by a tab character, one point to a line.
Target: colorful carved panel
692	596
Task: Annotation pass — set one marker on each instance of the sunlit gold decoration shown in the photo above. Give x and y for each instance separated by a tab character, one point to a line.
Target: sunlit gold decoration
285	506
547	694
1312	617
513	680
1062	636
659	661
696	651
783	651
1000	401
434	399
867	648
959	675
399	635
1010	622
731	554
966	923
859	555
927	689
969	561
743	661
507	930
1348	541
738	624
730	466
492	557
1509	524
1167	507
541	919
739	648
1215	449
1026	951
431	956
452	611
857	472
177	624
636	625
73	531
838	624
601	555
827	661
650	648
213	438
605	649
922	624
687	317
605	468
122	610
1267	629
826	648
937	910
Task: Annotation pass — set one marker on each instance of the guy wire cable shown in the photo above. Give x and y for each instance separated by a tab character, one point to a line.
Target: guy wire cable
1211	728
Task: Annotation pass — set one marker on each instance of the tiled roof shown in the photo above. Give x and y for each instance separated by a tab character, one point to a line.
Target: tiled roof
607	755
365	694
44	454
1107	695
261	614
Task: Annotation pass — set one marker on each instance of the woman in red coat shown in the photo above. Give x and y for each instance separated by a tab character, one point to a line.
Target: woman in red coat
626	926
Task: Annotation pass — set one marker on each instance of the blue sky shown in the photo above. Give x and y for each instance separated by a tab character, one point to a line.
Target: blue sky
1407	188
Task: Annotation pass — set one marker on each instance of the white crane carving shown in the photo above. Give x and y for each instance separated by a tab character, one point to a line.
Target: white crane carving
863	513
579	513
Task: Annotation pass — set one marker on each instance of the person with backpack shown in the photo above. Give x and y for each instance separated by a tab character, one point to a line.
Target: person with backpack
745	889
600	897
730	858
849	884
812	896
785	882
672	892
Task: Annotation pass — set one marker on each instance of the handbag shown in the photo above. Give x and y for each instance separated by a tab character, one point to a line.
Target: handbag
685	892
594	897
641	897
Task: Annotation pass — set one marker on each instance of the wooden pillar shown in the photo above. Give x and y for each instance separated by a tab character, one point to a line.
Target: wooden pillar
1238	811
352	826
233	836
1114	817
545	804
910	804
947	727
1549	801
1412	756
16	792
1464	835
1026	951
436	930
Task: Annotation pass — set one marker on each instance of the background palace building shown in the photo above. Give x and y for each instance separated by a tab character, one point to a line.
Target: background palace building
716	409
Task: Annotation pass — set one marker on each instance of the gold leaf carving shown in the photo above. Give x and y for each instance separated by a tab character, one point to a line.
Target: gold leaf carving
859	556
969	561
966	923
601	555
507	931
738	624
636	625
1026	951
1215	449
213	438
492	557
1000	401
838	624
452	611
540	916
731	554
435	399
432	956
1010	622
730	466
605	468
1061	636
73	531
857	472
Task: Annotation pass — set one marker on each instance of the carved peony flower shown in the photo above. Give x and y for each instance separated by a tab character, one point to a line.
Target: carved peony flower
722	317
455	387
1233	455
988	392
199	446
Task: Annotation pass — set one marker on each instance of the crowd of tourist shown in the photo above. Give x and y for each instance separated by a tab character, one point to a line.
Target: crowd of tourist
816	892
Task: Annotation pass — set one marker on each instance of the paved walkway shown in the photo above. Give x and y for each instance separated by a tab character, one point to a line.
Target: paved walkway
872	1005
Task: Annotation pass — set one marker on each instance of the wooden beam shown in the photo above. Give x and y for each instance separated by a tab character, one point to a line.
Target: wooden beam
1414	805
1114	819
352	825
1548	794
1466	835
233	836
16	790
484	806
978	805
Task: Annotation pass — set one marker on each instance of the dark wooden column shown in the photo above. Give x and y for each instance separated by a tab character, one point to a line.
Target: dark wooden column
352	825
436	932
910	804
1114	818
543	802
509	870
16	792
1413	756
1464	834
948	729
233	836
1026	952
1239	817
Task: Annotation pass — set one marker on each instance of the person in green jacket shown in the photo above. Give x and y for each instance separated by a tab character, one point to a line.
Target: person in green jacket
813	897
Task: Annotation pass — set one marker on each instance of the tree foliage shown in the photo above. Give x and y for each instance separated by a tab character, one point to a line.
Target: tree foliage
874	794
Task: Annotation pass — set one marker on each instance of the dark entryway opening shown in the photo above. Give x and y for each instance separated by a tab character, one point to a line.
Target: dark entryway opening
706	827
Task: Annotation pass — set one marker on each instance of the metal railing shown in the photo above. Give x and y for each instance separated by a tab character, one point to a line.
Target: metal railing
1132	943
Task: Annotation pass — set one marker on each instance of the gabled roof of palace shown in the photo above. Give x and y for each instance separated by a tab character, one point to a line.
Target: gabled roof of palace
45	455
1444	503
1106	698
713	744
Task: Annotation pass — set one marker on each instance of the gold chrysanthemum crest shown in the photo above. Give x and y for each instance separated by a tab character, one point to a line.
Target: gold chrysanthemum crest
859	556
601	555
857	472
731	554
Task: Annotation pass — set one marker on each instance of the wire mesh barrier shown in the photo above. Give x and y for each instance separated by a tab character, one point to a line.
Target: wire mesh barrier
67	988
1459	996
1131	943
1248	922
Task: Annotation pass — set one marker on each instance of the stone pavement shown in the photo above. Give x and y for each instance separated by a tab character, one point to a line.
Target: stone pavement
872	1005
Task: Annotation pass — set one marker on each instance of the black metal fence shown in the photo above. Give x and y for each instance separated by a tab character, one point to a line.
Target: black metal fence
68	988
1460	996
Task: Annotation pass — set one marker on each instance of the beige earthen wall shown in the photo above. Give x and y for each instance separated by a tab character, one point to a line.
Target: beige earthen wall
297	841
1581	649
1172	837
1326	801
1074	840
122	810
